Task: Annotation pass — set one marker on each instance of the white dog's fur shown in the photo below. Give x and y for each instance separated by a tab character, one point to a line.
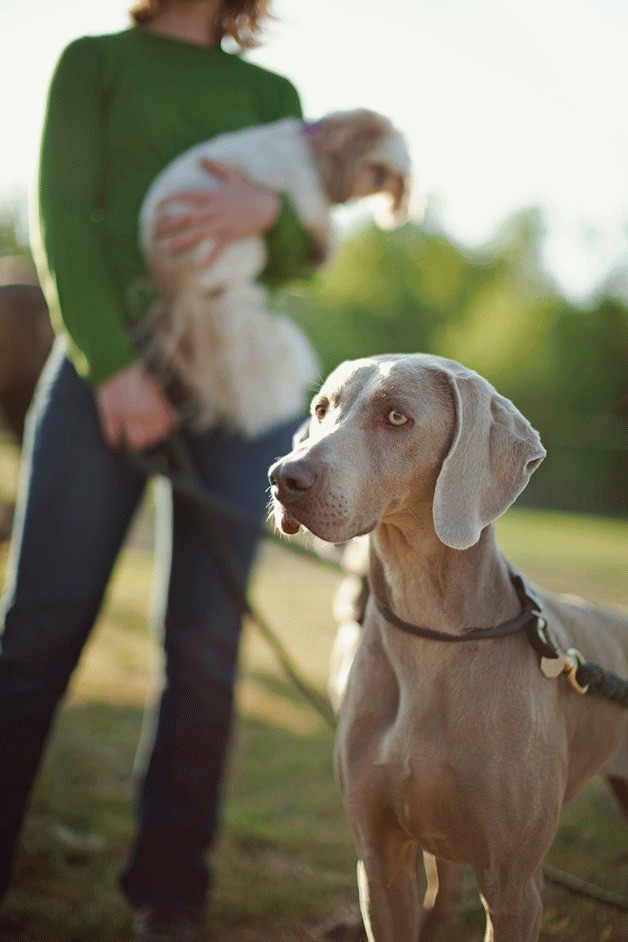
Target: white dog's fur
242	365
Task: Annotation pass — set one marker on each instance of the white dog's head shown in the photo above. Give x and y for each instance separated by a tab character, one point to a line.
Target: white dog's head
390	433
360	153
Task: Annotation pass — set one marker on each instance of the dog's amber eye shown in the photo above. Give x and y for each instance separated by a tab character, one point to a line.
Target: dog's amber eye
397	418
320	410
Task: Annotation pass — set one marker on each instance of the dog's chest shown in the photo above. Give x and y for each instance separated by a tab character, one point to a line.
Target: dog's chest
390	757
404	744
425	792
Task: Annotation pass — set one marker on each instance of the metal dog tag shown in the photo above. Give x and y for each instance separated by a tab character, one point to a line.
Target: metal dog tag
553	666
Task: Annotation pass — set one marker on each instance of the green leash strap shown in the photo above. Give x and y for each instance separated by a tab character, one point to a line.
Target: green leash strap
603	683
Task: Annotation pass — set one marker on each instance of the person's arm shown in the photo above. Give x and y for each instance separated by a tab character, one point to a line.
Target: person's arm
237	209
70	260
240	208
72	267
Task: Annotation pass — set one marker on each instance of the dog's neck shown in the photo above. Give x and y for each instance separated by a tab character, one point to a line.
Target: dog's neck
430	584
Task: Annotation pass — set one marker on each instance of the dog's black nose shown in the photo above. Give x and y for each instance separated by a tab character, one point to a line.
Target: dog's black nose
292	479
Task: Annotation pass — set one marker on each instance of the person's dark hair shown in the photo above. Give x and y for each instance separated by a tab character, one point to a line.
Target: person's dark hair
240	19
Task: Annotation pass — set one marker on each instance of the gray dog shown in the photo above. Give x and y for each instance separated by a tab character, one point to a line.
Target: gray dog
463	751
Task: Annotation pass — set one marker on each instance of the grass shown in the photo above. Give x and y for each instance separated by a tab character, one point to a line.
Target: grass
285	863
8	469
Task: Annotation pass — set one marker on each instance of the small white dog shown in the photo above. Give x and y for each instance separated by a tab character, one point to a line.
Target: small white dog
238	363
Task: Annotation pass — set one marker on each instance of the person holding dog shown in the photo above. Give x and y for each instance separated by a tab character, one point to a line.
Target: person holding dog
120	108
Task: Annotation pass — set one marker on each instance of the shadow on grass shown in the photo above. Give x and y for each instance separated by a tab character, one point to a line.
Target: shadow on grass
285	861
284	850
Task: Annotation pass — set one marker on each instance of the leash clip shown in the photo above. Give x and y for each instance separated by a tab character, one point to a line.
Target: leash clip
573	660
565	663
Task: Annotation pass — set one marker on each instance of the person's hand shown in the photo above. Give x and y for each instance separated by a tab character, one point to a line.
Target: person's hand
234	210
133	410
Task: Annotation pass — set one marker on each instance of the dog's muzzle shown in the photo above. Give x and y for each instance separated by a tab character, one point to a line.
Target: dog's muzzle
291	482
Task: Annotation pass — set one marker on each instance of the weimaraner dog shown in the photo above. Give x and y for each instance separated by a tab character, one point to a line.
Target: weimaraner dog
463	751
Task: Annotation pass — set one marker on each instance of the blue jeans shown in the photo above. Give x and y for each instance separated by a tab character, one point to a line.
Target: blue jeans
77	498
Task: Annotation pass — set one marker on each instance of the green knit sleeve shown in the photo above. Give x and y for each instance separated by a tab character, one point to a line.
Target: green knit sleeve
290	247
70	259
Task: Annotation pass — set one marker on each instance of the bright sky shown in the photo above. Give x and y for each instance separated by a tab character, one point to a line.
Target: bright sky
505	103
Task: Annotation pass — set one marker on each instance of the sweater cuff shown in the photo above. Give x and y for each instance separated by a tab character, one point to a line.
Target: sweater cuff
98	368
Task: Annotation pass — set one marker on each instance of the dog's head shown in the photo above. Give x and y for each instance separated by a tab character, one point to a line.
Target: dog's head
360	153
394	435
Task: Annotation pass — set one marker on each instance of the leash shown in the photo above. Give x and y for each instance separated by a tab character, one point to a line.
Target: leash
586	890
176	465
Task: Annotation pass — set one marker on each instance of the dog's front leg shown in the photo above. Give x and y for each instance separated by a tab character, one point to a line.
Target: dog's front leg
389	889
513	909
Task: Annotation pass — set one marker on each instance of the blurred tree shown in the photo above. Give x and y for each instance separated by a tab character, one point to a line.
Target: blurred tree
497	311
586	407
13	236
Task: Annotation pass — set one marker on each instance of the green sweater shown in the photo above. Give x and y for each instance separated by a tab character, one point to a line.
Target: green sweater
120	108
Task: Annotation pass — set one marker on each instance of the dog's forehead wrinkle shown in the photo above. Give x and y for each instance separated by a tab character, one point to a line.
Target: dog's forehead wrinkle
410	384
344	385
411	380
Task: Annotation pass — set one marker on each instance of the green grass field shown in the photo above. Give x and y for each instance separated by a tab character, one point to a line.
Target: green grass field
285	864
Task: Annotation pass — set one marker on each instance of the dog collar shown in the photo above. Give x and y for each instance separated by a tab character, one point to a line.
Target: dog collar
310	129
581	675
530	619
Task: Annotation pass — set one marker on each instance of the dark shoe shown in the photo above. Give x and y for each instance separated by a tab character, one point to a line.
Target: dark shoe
166	924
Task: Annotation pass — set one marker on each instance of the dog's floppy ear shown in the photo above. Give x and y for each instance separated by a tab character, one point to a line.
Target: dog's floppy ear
399	190
493	452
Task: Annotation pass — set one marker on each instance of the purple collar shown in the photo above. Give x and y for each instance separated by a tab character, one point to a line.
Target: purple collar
310	129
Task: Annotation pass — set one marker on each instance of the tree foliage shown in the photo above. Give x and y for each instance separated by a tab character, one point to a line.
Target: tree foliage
497	311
